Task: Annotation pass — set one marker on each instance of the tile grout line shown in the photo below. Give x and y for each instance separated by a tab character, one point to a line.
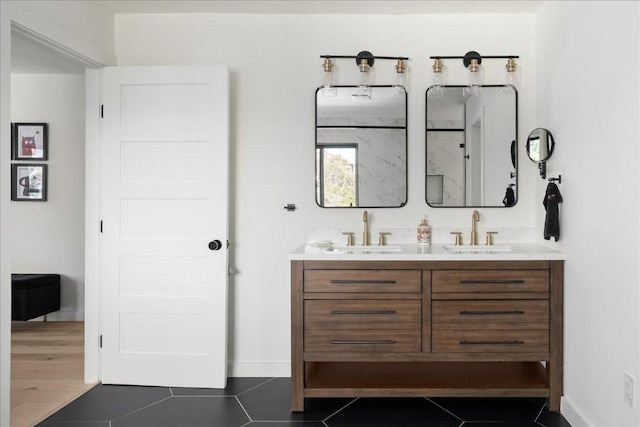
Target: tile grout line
245	411
540	413
140	409
446	410
344	407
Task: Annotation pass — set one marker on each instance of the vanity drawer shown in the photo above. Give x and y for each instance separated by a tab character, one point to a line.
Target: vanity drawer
376	341
473	314
490	341
369	311
362	281
474	281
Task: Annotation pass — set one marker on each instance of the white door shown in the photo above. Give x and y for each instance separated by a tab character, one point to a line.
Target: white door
164	209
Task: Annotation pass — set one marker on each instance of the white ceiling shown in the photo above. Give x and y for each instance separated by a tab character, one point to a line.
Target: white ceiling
314	6
31	57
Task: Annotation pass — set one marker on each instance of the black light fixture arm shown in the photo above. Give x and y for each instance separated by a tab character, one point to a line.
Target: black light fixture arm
403	58
481	56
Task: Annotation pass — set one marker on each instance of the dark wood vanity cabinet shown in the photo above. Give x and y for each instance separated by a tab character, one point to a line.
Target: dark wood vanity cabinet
426	328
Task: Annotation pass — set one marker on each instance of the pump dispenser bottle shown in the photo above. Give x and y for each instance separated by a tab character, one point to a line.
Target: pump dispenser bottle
424	233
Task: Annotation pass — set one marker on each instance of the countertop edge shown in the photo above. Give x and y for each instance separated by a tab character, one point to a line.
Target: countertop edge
521	252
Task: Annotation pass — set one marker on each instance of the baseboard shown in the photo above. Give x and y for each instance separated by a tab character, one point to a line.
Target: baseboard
63	316
259	369
573	414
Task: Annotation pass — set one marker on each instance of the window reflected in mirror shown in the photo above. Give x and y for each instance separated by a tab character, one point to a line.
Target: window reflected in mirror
471	147
337	173
361	147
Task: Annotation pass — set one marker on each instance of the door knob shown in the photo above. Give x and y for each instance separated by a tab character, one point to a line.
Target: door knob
215	245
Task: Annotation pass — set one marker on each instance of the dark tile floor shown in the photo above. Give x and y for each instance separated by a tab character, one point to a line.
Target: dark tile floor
265	402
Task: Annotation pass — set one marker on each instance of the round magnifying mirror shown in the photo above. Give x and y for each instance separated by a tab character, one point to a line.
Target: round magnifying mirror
540	145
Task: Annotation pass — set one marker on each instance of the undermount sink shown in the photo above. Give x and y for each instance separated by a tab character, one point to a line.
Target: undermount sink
359	249
478	249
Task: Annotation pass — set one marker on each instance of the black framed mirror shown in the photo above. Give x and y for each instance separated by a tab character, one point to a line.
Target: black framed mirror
540	146
361	147
471	147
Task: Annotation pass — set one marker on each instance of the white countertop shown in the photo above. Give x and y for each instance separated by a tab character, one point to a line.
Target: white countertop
436	252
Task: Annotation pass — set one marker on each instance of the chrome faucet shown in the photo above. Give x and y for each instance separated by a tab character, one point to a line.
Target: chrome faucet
475	217
365	234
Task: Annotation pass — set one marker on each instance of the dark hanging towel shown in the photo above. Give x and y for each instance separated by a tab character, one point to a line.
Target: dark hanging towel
552	220
509	197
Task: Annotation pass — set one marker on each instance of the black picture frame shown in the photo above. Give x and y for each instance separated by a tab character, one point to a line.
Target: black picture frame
29	141
29	182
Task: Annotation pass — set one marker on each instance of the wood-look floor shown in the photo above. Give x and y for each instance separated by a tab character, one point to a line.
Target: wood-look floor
47	369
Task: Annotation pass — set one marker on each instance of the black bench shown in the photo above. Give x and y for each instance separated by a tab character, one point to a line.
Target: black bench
34	295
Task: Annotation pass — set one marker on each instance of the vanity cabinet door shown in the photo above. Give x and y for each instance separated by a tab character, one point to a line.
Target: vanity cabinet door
377	281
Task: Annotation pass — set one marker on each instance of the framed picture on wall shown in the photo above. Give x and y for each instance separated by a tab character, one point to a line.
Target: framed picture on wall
29	141
29	182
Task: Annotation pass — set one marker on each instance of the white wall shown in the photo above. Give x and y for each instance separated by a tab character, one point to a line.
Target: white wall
275	69
48	237
592	111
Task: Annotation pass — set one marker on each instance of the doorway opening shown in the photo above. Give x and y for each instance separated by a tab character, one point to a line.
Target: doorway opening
48	236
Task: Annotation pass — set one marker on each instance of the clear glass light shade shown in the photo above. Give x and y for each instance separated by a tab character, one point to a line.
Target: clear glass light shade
475	77
475	74
511	73
329	75
364	80
437	80
400	74
329	78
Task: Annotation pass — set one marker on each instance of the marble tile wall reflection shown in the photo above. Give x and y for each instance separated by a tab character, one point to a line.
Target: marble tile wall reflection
445	157
381	157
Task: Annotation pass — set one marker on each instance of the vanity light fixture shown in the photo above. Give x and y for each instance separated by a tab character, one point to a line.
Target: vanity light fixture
364	62
472	61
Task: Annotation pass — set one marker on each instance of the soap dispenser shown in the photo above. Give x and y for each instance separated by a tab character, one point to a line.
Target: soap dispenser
424	233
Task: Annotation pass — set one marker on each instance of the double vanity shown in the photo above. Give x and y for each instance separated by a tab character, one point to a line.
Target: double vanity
405	320
408	320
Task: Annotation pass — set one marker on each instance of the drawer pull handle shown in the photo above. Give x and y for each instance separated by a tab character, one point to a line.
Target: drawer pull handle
363	342
490	313
363	312
513	342
361	282
491	282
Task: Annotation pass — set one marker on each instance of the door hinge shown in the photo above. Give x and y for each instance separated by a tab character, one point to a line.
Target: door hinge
102	111
100	226
100	341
